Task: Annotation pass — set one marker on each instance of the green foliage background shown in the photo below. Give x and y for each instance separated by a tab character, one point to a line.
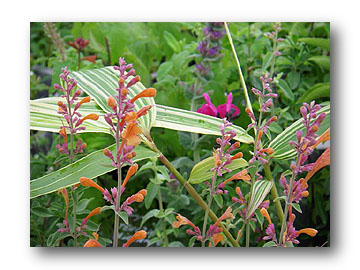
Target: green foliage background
164	55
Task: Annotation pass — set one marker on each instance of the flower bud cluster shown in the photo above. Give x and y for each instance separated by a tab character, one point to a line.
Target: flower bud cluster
73	118
273	36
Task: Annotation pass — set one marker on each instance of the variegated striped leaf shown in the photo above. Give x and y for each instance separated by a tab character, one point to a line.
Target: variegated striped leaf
91	166
201	171
260	189
44	116
102	83
183	120
282	149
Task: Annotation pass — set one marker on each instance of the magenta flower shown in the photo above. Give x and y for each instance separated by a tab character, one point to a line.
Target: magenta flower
227	109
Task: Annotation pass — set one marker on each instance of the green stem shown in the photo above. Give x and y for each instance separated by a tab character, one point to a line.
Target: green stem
208	207
190	190
247	234
117	206
242	80
161	208
163	224
274	192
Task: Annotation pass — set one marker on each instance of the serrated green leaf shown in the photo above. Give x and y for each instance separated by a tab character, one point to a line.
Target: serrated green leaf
267	60
41	212
172	42
323	43
286	89
124	216
319	90
321	60
201	171
152	190
163	70
219	200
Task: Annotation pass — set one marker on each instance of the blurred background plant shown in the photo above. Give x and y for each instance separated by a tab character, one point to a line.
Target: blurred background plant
166	56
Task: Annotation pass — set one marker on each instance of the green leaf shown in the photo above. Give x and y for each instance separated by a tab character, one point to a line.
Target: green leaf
323	43
319	90
152	191
269	244
91	166
260	189
163	70
296	207
280	145
102	83
176	244
41	212
123	215
267	60
201	171
321	60
219	200
183	120
192	241
279	198
259	217
293	78
172	42
286	89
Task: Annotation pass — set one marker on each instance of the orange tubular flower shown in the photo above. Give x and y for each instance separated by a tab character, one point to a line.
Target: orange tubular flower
143	111
226	215
130	117
86	182
62	132
242	175
237	155
92	243
182	221
132	170
137	236
309	231
94	212
218	237
131	133
149	92
265	214
91	116
138	197
85	100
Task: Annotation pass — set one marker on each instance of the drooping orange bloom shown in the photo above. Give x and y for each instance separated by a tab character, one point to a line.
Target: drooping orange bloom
149	92
138	197
90	58
143	110
94	212
265	214
137	236
224	216
309	231
242	175
91	116
132	170
86	182
62	132
237	156
130	134
92	243
181	220
85	100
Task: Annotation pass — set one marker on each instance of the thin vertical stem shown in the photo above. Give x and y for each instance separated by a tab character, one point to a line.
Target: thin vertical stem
242	80
117	206
163	224
247	241
208	207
